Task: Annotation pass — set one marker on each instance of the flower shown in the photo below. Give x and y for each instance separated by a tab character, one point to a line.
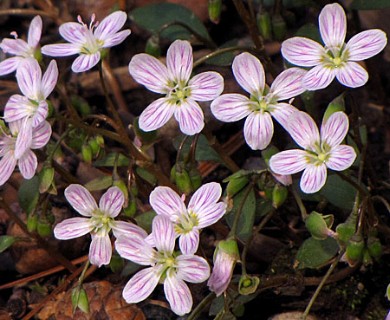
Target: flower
181	91
88	41
167	266
336	59
203	210
98	221
26	161
322	151
20	48
263	102
225	257
32	108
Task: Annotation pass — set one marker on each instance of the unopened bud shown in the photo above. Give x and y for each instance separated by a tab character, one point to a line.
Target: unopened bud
80	299
86	153
235	185
319	225
248	285
215	8
374	247
354	251
279	195
46	177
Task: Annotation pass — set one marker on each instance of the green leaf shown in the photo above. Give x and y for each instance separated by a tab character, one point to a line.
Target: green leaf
247	217
109	161
28	194
6	242
316	253
203	151
100	183
146	175
224	59
153	17
310	31
369	4
337	104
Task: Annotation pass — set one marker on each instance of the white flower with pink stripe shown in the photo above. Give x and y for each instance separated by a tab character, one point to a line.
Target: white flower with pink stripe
166	266
322	151
337	59
181	91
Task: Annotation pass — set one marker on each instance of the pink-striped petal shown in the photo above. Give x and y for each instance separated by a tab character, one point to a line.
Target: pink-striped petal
210	215
72	228
366	44
156	114
289	161
17	47
302	51
100	250
352	75
192	268
179	61
149	72
18	107
207	195
282	113
122	228
40	113
112	201
206	86
142	284
288	84
334	130
313	178
34	32
73	32
333	25
7	165
303	130
189	242
9	65
49	79
341	158
41	135
190	117
178	294
85	62
60	49
24	138
110	25
29	76
28	164
249	73
135	249
222	272
258	130
80	199
116	39
230	107
167	202
163	233
319	77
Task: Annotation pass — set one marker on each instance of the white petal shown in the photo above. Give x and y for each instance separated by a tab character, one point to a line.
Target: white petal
85	62
318	77
190	117
72	228
111	202
366	44
302	51
303	130
334	130
179	61
24	138
100	250
210	215
73	32
288	84
34	32
206	86
116	39
7	165
60	49
207	195
167	202
122	228
80	199
288	162
156	114
28	164
178	294
282	113
341	158
192	268
249	73
41	135
258	130
29	76
313	178
149	72
352	75
9	65
230	107
49	79
189	242
163	233
135	249
17	47
333	25
141	285
110	25
18	107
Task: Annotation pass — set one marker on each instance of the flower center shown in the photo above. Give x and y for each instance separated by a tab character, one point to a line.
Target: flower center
187	222
101	222
179	94
91	44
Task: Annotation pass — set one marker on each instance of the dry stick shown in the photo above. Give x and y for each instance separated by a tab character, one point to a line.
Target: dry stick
41	242
30	12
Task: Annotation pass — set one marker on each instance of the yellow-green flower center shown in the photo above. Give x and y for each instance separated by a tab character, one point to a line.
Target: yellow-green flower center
187	222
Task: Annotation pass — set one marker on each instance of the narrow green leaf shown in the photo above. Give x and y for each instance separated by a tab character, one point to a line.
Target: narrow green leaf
6	242
28	194
100	183
109	160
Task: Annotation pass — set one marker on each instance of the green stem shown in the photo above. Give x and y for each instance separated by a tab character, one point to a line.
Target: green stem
201	306
221	51
299	203
247	191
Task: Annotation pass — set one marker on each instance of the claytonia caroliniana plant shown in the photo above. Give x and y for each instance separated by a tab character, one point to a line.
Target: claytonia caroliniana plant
26	161
181	91
98	220
167	266
203	210
336	59
32	107
263	101
322	151
20	48
89	41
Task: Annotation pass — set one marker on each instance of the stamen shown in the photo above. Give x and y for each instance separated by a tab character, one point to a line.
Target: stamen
14	34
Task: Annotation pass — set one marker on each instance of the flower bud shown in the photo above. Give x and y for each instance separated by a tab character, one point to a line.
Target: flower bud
354	251
80	299
248	285
46	176
95	148
264	24
215	8
235	185
152	46
279	195
374	247
318	225
345	231
86	153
